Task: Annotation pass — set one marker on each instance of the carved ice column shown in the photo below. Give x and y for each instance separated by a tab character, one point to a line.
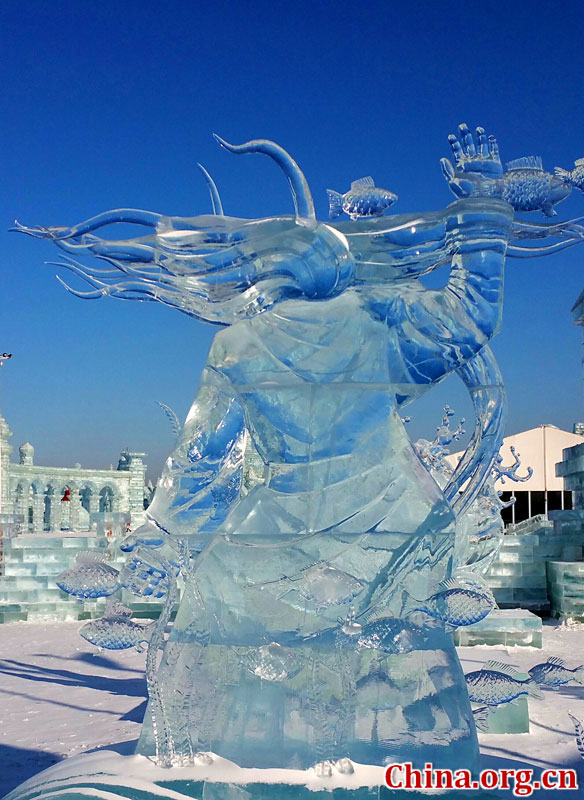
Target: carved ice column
74	506
21	502
93	502
55	512
5	451
38	511
133	463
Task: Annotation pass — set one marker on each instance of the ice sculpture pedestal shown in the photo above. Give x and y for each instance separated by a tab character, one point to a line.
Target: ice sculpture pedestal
507	627
510	717
107	774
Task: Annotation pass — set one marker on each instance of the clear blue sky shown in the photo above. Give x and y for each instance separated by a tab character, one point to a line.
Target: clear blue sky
108	104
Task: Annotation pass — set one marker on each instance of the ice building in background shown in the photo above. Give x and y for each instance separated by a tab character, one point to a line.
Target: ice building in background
539	449
64	498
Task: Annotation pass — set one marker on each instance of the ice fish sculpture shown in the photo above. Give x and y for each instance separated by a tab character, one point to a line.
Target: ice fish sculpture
495	684
116	631
364	199
273	662
579	728
554	673
453	604
527	187
475	583
90	577
573	177
323	585
392	636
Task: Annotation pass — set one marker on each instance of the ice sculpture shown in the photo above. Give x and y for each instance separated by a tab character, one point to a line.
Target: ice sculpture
495	684
579	732
292	644
116	631
90	577
554	673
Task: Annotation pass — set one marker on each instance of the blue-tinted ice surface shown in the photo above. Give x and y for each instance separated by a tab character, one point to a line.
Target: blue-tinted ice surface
294	641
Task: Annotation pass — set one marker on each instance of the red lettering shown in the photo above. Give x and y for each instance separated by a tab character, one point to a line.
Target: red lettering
489	779
443	779
389	776
462	779
546	775
523	787
504	775
412	774
428	776
567	779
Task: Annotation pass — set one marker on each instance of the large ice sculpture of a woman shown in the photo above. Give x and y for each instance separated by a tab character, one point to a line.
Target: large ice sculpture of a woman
291	644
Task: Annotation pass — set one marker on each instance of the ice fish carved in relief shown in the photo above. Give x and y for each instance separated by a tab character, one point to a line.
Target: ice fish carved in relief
573	177
528	187
323	585
495	684
90	577
272	662
390	635
475	583
555	673
452	604
364	199
116	631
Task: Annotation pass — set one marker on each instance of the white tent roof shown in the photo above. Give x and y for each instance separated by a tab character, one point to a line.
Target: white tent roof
539	448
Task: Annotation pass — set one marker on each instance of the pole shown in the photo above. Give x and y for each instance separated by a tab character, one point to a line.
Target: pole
3	357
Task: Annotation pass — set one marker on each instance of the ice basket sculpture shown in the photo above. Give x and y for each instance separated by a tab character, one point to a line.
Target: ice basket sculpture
293	643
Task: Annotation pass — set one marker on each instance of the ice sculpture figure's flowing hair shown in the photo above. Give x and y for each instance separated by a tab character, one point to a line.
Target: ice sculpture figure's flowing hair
221	269
216	268
221	272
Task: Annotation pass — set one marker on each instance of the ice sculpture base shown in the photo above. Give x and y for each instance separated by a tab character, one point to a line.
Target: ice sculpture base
107	774
337	701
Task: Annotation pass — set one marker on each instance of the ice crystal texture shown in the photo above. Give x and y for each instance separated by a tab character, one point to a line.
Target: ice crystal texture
90	577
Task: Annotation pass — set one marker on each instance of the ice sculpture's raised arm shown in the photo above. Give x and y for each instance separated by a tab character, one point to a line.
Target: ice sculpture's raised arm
438	331
202	477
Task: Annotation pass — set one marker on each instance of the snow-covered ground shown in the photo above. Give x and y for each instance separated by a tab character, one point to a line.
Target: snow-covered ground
59	697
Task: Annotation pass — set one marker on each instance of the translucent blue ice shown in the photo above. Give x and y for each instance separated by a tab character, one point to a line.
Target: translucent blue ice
90	577
495	684
295	504
554	673
116	631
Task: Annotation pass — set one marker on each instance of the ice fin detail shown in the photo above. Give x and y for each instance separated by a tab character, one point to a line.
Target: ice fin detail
172	418
481	718
527	162
90	557
362	183
335	203
533	690
579	733
499	666
118	610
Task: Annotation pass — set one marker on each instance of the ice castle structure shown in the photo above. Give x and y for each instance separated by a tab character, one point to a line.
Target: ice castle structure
315	623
